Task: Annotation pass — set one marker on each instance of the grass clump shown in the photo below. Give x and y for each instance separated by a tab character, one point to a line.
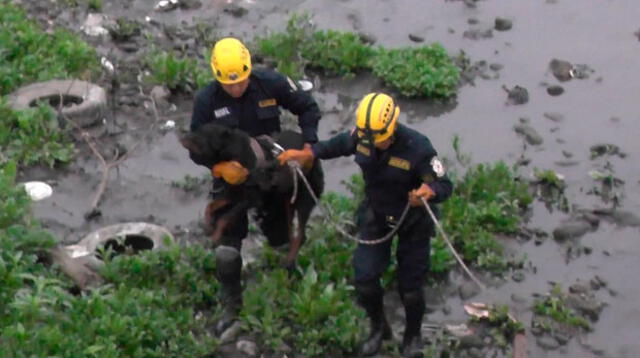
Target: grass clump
32	136
28	54
176	72
312	310
553	312
425	71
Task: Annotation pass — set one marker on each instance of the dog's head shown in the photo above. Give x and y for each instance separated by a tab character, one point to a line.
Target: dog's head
213	143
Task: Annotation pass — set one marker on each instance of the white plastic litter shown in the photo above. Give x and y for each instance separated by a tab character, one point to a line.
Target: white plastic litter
168	125
107	64
305	85
38	190
166	5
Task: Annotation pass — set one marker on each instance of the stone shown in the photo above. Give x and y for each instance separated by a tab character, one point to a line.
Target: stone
571	229
517	95
554	116
247	347
561	69
548	342
416	38
555	90
502	24
468	290
529	133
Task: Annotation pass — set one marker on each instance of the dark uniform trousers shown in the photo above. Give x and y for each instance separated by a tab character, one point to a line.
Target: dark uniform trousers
370	261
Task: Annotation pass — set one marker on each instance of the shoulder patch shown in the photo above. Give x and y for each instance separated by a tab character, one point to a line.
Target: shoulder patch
221	112
437	167
292	84
399	163
364	150
267	102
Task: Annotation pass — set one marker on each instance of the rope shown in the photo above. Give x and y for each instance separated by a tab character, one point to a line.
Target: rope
296	167
453	250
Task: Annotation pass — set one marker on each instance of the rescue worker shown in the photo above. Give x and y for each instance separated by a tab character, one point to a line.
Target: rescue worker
248	99
399	166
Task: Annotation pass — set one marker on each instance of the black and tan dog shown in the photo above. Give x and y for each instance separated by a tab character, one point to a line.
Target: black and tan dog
268	188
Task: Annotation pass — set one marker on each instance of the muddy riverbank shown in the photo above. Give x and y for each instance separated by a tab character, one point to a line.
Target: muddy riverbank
597	106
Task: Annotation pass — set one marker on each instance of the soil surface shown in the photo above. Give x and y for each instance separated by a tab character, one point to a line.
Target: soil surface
554	129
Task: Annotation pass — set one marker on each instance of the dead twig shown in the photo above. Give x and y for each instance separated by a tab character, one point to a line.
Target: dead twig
106	166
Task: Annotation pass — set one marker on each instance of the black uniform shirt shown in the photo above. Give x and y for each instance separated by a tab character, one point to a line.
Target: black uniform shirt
390	174
257	111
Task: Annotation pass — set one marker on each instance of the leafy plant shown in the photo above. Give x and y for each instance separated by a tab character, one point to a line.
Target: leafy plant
28	54
486	201
175	72
32	136
554	306
286	48
425	71
337	53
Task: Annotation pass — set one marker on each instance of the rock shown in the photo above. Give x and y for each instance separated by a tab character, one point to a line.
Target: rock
478	34
547	342
597	282
473	21
468	290
247	347
476	353
587	306
566	163
160	94
530	134
562	337
578	288
518	276
556	117
567	154
231	333
496	67
502	24
190	4
571	229
416	38
601	149
235	10
367	38
518	298
555	90
517	95
561	69
470	341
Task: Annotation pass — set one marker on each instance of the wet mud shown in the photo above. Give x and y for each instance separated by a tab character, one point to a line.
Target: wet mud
577	61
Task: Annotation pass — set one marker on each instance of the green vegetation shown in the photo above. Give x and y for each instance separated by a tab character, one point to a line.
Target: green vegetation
32	136
28	54
554	310
487	201
174	71
425	71
503	326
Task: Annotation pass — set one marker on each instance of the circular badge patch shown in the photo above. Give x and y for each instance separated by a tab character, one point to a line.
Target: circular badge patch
437	167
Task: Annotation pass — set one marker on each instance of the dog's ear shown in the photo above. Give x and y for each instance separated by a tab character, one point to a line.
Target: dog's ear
191	143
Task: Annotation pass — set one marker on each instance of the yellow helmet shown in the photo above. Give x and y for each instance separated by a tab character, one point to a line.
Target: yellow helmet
230	61
377	117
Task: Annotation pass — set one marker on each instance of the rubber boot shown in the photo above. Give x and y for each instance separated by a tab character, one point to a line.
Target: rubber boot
414	311
228	271
371	299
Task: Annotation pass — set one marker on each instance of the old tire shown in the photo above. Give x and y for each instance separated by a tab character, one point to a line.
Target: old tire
138	235
82	102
